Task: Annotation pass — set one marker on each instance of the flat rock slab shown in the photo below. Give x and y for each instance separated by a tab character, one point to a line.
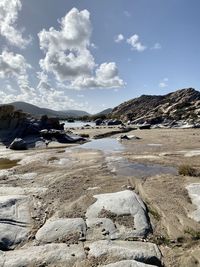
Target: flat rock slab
45	255
62	230
14	220
125	250
128	263
194	193
124	203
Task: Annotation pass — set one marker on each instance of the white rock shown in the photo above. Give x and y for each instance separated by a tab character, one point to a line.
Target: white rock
55	229
125	250
194	193
122	203
128	263
43	255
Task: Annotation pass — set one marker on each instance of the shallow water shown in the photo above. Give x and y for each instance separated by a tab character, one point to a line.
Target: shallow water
106	145
7	163
123	167
77	124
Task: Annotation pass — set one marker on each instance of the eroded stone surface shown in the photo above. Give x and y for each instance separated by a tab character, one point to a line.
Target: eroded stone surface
127	263
43	256
194	193
125	203
62	229
14	220
125	250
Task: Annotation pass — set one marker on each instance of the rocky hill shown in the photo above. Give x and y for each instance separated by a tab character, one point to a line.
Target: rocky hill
180	105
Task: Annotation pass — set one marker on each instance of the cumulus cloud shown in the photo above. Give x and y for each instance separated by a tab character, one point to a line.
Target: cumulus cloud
8	16
119	38
106	77
67	53
14	66
135	43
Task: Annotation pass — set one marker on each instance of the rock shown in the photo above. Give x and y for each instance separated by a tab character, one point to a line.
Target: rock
101	228
18	144
62	230
114	122
127	263
125	250
98	122
144	126
179	105
129	137
15	220
125	207
194	193
49	254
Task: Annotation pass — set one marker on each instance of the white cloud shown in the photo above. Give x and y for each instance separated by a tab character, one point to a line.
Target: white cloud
156	46
67	53
106	77
164	83
8	16
14	66
135	43
119	38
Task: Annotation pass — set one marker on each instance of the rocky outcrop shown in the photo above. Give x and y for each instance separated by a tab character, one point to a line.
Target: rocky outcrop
19	130
180	105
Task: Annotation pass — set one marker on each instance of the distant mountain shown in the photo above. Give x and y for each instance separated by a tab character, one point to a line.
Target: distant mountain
37	111
104	112
179	105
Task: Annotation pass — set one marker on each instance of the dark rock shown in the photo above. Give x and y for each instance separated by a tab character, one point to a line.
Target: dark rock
18	144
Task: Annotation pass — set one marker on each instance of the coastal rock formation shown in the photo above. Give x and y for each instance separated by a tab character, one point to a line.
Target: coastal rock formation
180	105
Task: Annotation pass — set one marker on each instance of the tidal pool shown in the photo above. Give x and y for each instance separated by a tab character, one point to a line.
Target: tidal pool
7	163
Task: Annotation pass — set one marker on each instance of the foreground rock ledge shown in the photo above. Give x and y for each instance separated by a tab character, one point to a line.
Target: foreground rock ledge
125	250
43	256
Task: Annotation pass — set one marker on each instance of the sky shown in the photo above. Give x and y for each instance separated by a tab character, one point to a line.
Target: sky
95	54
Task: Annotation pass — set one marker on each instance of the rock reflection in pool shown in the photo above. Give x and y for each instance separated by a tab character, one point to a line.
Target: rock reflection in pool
123	167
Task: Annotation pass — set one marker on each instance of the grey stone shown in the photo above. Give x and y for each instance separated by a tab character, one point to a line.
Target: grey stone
15	220
60	229
122	203
125	250
43	255
194	193
127	263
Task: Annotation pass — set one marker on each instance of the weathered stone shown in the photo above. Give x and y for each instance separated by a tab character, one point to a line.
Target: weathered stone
127	263
15	220
194	193
45	255
62	230
125	250
101	228
122	203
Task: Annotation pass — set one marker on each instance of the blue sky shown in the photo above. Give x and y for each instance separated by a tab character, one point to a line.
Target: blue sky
97	53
